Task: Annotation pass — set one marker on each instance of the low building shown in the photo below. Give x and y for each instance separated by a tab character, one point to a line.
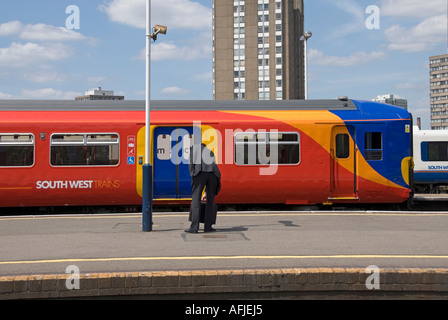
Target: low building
393	100
100	94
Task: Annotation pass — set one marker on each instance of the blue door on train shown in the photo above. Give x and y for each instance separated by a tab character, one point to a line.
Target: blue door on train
171	157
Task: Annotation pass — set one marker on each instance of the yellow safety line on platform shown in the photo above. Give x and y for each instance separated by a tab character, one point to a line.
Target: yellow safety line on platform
372	256
222	214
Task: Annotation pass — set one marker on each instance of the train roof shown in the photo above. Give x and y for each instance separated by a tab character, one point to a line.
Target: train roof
175	105
430	133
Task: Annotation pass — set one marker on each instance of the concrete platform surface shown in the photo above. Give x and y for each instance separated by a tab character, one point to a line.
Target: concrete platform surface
251	252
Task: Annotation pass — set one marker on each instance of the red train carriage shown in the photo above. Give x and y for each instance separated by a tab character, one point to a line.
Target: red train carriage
74	153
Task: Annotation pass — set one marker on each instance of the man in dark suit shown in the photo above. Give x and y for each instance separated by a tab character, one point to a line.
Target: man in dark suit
204	173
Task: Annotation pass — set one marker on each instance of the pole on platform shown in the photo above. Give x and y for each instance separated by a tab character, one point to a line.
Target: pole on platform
147	168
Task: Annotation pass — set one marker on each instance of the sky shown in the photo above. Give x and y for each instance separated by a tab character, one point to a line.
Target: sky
359	49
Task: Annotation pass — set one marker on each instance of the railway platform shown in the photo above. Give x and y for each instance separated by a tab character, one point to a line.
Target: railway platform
279	255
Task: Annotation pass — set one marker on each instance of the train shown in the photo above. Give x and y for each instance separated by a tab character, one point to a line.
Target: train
298	152
430	161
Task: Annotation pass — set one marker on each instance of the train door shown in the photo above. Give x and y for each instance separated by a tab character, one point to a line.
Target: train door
343	163
171	156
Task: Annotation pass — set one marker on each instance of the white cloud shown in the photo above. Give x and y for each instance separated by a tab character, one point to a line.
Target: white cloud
96	80
50	94
39	32
168	50
10	28
406	85
22	55
183	15
6	95
422	37
44	32
317	57
31	53
175	91
176	14
357	22
413	8
430	31
44	76
198	48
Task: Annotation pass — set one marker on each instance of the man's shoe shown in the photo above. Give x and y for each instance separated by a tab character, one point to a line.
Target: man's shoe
210	230
191	230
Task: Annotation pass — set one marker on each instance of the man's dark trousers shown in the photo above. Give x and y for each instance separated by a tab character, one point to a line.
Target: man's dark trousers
210	182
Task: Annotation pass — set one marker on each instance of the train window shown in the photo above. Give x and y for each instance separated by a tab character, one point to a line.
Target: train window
436	151
85	149
267	148
102	138
342	146
164	147
16	150
67	139
374	146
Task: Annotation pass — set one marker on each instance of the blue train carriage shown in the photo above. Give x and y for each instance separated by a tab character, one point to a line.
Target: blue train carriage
383	162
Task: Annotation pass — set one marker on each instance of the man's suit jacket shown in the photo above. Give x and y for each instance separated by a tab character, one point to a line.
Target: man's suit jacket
202	159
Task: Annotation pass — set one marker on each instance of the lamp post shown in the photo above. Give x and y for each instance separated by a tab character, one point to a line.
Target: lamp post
147	168
305	38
